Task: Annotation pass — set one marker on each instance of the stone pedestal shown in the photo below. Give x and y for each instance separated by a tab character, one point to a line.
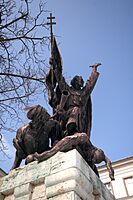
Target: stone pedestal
65	176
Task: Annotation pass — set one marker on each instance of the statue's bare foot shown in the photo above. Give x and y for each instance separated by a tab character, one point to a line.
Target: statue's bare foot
29	159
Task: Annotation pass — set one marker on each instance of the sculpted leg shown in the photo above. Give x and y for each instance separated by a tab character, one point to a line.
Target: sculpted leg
63	145
19	154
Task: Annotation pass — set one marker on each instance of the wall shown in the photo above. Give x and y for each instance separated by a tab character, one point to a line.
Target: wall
64	176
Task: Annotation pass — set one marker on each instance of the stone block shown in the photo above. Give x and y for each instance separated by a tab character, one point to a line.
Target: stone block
9	197
25	197
106	194
39	191
71	179
23	190
66	196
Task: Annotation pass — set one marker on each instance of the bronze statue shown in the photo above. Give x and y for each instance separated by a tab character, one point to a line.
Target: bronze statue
70	125
34	136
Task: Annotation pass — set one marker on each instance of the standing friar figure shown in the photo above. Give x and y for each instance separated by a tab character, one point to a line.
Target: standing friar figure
71	103
77	108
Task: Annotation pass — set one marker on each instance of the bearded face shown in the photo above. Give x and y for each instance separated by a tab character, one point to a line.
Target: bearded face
77	82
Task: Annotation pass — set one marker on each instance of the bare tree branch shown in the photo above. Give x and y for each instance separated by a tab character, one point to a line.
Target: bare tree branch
13	21
23	45
22	76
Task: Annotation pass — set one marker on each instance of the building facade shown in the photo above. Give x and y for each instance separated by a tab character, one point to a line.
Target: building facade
122	186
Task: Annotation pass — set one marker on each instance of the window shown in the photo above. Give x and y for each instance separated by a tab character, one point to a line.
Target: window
109	187
129	185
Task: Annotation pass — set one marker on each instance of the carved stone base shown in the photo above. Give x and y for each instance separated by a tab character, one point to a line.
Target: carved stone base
65	176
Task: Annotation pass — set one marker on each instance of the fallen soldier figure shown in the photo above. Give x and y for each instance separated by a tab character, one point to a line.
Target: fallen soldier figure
81	142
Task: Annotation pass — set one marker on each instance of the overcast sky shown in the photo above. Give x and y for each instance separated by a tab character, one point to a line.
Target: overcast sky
90	31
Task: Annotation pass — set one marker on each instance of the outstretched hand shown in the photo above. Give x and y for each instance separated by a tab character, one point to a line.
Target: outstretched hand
95	66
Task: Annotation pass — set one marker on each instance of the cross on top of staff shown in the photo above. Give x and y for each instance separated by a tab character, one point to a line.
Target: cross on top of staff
51	23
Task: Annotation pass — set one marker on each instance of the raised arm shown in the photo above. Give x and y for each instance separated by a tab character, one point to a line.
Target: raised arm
90	84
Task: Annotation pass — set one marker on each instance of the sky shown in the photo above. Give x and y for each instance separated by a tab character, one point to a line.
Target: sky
91	31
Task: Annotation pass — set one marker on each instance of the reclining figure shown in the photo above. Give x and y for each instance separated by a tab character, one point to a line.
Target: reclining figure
81	142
